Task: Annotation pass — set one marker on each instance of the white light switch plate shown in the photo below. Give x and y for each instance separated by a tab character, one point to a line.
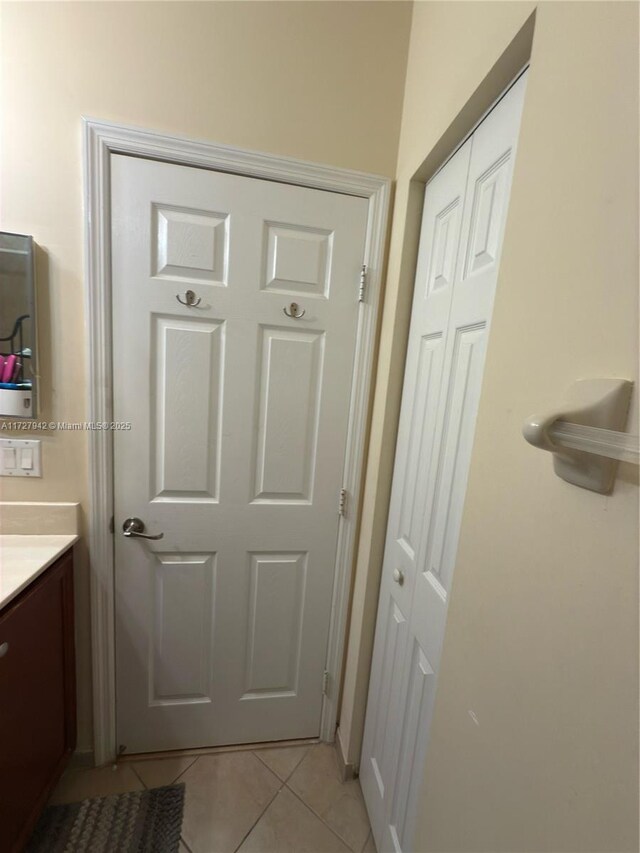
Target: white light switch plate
20	458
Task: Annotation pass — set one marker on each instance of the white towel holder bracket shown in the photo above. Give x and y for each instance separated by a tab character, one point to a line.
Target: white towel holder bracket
585	435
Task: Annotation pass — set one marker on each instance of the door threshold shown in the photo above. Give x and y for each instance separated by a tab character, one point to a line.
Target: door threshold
214	750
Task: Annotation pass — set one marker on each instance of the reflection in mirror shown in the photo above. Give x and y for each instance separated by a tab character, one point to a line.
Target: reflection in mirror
17	326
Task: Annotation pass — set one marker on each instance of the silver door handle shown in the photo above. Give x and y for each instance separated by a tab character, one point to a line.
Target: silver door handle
135	527
398	576
4	648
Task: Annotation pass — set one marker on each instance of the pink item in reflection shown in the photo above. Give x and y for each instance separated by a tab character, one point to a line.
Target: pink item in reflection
9	367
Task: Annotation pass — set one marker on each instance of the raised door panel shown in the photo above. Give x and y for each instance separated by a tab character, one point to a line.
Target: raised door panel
426	382
459	418
276	613
417	707
442	257
190	244
181	645
380	738
187	358
385	748
298	260
442	222
490	197
487	205
289	386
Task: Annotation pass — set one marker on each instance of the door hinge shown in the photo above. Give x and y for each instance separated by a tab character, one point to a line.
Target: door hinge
325	683
342	502
363	283
112	526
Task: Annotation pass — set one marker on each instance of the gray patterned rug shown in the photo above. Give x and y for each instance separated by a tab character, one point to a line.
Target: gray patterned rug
137	822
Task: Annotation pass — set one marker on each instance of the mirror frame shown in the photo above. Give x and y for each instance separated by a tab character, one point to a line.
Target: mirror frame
31	301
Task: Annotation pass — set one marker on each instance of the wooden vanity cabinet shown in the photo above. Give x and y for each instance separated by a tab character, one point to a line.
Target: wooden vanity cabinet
37	699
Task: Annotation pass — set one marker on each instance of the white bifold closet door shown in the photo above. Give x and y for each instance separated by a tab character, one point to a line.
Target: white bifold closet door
463	223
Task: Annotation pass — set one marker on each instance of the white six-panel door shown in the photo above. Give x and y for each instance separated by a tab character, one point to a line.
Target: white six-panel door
463	223
239	418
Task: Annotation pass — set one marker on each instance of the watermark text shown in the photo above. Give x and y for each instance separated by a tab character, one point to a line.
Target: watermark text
64	426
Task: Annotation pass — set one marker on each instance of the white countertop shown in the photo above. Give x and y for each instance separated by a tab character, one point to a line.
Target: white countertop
23	558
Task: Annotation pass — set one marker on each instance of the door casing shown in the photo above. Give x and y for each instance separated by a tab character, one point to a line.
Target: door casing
100	140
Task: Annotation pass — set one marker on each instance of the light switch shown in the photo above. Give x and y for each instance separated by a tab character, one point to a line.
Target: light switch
20	457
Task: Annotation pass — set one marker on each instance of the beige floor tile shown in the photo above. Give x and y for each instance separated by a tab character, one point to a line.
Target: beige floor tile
317	782
282	760
316	779
164	771
77	785
225	796
347	816
370	845
288	826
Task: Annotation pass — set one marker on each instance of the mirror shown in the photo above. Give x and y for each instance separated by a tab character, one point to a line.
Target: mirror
17	326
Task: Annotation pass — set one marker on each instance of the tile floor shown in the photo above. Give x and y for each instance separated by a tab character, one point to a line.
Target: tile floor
269	800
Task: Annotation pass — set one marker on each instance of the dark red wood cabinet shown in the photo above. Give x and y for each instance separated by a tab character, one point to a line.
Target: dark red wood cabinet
37	699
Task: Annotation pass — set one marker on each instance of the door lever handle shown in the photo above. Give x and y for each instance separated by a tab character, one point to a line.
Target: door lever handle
135	527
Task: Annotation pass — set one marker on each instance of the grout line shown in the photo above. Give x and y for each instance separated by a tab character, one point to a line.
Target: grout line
271	772
321	819
185	843
298	763
302	758
264	764
343	783
188	767
173	781
260	816
140	779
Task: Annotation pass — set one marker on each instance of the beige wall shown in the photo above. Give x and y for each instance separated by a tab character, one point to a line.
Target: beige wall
542	635
318	81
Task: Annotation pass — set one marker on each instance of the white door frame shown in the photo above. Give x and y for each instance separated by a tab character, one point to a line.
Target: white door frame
101	139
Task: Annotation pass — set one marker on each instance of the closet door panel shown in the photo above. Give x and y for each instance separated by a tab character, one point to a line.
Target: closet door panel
463	225
440	238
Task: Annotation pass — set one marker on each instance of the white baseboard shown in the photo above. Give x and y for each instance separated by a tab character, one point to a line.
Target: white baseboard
347	769
82	758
